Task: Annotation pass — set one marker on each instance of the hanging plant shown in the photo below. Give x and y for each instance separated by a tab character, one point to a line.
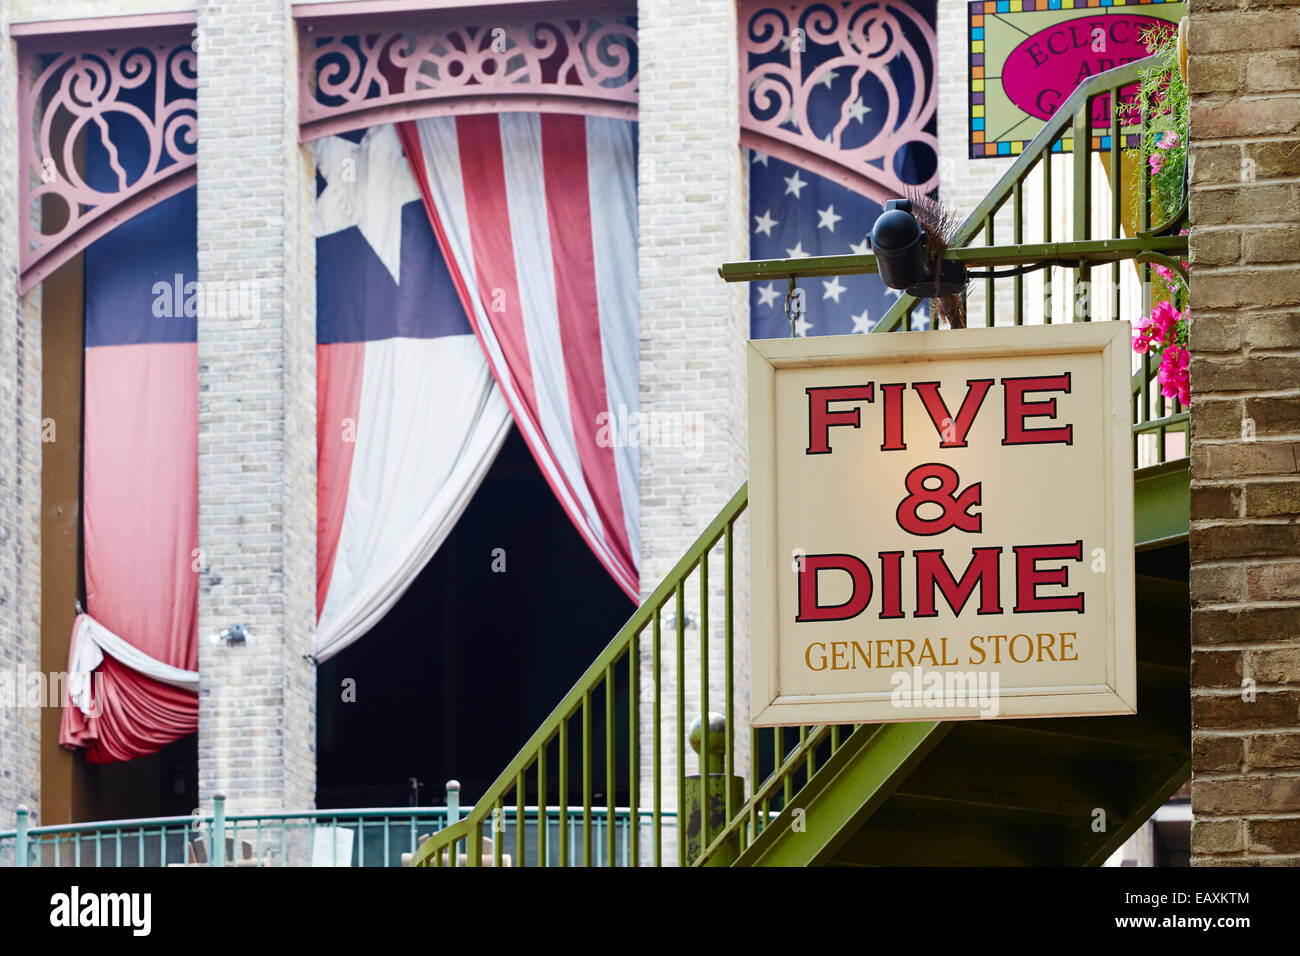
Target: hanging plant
1162	99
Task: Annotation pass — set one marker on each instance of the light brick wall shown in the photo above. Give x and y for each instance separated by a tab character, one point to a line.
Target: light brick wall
693	196
257	483
20	464
1244	77
70	9
963	181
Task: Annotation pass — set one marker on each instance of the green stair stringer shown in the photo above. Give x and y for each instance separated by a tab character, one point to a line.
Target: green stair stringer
847	789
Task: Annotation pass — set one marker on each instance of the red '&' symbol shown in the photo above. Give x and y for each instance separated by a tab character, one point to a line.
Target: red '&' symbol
956	507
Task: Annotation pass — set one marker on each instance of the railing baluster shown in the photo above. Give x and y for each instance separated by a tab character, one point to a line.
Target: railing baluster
1018	236
729	756
656	733
521	823
498	833
564	791
811	763
634	748
543	825
1116	194
753	782
988	283
609	762
704	697
1082	298
679	627
1047	232
586	778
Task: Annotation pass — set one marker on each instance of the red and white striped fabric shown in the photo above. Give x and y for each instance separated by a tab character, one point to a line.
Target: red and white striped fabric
536	216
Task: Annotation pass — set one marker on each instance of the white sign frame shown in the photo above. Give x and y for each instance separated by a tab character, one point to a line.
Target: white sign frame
769	571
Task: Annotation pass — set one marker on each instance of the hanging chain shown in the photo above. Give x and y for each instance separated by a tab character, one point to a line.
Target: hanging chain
793	307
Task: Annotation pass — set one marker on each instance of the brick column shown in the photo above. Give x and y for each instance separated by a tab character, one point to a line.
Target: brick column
257	447
20	470
1244	78
693	198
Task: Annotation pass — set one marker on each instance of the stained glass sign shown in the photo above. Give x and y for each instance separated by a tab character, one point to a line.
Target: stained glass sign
1027	57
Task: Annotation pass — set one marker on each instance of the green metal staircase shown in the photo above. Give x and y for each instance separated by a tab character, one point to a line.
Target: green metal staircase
1063	791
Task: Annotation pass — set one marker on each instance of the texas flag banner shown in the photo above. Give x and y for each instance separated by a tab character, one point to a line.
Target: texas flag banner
408	417
139	632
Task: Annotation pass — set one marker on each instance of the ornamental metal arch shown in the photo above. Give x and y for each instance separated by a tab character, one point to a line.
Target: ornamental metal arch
71	84
791	50
359	68
355	72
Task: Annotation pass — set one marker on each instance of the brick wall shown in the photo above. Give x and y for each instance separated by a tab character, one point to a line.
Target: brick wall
20	463
257	484
693	198
1244	78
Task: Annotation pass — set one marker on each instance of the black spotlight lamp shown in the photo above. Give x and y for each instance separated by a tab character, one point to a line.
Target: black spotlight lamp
899	243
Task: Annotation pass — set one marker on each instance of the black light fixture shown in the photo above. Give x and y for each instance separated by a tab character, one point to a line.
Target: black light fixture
905	262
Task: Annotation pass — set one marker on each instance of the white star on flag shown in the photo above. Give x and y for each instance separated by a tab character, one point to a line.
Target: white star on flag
802	326
826	218
829	78
797	252
793	184
366	185
833	289
759	157
862	248
858	109
764	223
767	295
861	322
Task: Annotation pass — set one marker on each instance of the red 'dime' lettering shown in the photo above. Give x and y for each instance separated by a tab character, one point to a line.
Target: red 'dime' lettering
1017	410
859	597
1029	577
821	418
932	570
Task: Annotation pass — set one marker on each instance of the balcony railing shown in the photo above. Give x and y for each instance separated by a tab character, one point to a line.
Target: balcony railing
379	837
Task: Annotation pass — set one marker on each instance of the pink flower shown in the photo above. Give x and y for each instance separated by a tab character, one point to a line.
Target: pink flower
1141	344
1157	161
1164	321
1173	374
1168	141
1165	273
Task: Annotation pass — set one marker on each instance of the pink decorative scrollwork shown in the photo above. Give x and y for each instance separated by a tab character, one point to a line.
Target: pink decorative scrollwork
808	69
359	79
141	89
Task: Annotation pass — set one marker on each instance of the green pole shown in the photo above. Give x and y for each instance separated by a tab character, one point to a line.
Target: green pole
218	856
20	845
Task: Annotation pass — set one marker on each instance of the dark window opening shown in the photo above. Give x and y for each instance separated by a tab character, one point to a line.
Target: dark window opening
470	661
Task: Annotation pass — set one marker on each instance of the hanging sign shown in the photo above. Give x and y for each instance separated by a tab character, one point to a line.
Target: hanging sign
1027	57
941	525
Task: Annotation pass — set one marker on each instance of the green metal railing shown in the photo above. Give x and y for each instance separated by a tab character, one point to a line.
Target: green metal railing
606	733
378	837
